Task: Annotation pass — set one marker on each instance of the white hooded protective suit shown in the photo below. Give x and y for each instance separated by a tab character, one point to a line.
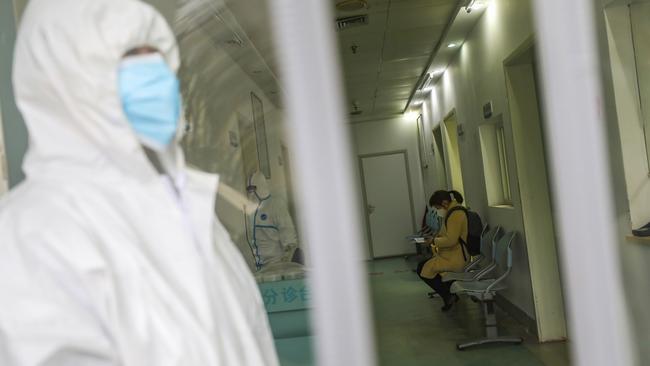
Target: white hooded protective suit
272	234
104	261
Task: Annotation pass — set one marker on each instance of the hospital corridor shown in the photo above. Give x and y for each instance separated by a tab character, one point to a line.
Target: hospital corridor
324	182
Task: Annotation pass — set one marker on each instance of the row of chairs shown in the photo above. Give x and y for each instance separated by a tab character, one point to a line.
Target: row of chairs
483	278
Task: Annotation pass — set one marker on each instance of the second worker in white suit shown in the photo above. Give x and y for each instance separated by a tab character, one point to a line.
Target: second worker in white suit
271	234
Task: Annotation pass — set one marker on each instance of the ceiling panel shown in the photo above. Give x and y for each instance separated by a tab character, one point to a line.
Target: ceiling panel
399	52
416	34
362	90
364	105
401	74
389	105
361	71
395	92
397	82
410	64
351	50
412	17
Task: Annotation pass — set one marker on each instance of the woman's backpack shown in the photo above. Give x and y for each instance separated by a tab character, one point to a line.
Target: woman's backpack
474	230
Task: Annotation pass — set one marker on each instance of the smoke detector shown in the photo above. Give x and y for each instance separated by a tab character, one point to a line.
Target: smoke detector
351	5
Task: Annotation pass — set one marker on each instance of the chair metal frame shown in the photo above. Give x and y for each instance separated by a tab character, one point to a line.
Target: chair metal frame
487	299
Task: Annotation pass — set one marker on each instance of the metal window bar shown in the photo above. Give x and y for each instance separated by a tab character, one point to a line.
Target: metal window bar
576	137
317	131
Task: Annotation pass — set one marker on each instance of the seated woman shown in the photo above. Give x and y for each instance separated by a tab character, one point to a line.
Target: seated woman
449	255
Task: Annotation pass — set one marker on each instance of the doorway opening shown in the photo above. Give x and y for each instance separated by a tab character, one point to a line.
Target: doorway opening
440	168
535	193
452	153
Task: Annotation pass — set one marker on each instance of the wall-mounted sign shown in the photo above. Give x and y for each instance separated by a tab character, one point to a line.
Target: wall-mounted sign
487	110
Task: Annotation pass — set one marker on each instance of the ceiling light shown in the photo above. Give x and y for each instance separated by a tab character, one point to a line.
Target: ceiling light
473	5
351	5
437	72
452	45
410	116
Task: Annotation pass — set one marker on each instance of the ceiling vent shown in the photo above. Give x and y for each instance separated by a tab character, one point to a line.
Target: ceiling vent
351	5
349	22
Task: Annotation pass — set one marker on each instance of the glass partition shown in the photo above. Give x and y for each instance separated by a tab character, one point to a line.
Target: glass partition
235	127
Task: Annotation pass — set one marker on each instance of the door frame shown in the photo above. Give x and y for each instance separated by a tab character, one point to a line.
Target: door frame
543	260
441	155
447	151
366	215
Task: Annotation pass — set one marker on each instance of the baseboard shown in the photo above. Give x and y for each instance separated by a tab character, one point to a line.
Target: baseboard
529	323
395	256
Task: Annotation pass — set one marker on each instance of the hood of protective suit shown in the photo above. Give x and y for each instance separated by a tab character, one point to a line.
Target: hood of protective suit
65	80
258	180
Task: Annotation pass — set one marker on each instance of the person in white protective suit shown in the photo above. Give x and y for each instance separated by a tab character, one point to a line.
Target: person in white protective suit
109	255
272	234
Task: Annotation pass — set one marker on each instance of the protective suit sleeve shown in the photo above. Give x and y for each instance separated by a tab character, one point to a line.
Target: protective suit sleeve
45	316
286	227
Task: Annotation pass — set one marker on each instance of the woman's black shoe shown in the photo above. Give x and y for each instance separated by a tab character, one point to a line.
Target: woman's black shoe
449	303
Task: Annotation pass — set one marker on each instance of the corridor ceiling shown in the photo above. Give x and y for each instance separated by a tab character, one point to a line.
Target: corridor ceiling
383	60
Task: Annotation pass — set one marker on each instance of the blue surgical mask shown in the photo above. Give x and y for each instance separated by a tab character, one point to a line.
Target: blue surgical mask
432	220
151	99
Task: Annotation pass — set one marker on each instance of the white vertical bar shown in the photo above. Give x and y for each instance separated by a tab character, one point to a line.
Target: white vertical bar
318	136
576	130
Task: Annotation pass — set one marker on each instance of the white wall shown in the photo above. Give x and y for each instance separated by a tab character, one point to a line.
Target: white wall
399	133
475	77
629	114
628	165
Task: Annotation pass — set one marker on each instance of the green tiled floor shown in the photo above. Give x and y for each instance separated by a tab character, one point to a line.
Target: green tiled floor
411	330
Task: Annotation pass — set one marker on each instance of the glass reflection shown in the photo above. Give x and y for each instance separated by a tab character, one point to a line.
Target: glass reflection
235	124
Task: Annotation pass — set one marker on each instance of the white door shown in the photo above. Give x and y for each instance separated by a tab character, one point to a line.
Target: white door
388	204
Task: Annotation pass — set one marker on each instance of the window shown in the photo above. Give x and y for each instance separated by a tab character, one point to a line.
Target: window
495	163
